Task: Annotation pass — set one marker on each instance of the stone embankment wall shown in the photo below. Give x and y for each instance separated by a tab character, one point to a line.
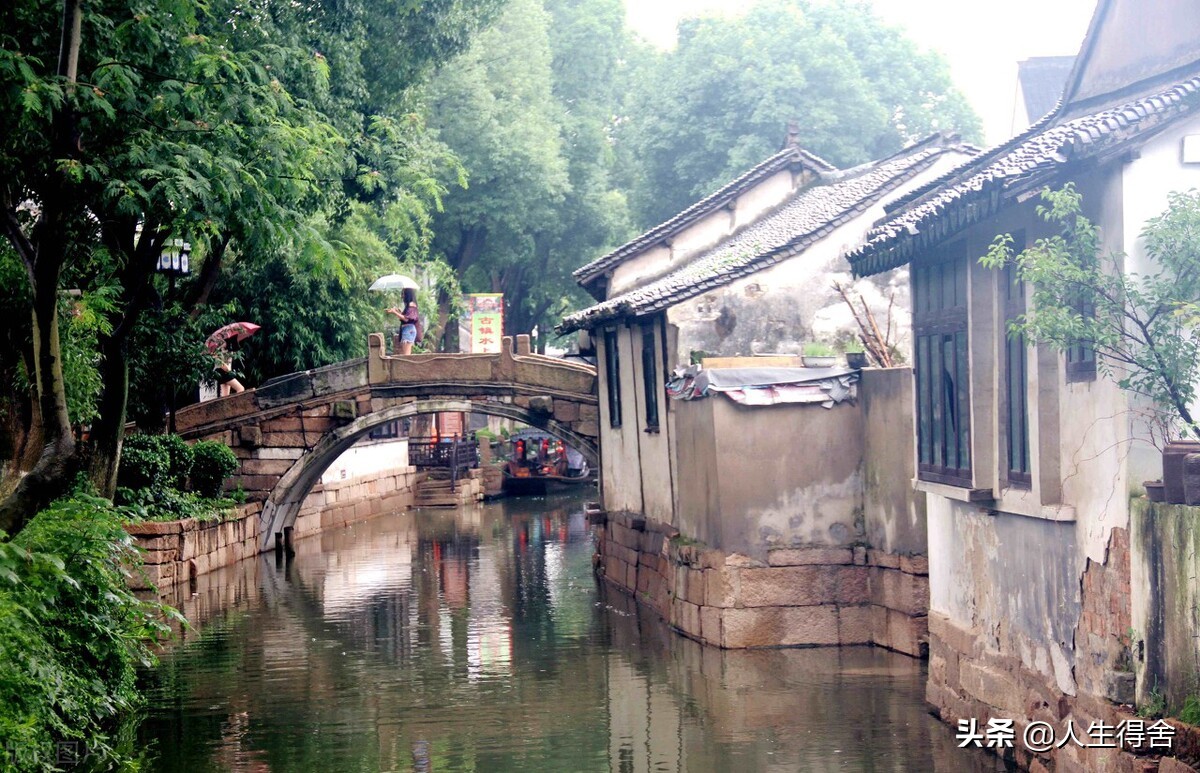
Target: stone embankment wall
177	551
797	597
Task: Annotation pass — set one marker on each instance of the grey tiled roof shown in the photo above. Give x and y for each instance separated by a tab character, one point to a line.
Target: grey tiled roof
785	158
981	186
785	232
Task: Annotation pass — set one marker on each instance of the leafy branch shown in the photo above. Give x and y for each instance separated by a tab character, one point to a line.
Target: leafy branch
1141	326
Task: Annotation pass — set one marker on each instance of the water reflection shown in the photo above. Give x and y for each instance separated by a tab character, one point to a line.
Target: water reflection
478	640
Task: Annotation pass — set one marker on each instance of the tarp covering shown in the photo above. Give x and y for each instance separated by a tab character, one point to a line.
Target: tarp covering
766	386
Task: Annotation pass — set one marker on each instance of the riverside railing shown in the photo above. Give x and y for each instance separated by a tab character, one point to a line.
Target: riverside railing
455	454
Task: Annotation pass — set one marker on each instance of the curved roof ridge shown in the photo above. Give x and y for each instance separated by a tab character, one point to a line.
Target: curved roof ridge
806	217
781	160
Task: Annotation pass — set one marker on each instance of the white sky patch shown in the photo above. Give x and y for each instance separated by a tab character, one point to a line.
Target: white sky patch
981	39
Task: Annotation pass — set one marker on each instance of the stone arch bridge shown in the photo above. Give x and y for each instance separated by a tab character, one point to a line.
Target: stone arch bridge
288	431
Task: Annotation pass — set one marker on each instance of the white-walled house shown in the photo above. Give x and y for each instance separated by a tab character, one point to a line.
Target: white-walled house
768	489
1027	459
758	256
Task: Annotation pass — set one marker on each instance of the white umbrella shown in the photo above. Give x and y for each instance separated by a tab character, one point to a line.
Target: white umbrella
393	282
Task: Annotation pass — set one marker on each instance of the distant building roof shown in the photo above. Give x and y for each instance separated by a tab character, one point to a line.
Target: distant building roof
1042	80
807	217
788	157
978	188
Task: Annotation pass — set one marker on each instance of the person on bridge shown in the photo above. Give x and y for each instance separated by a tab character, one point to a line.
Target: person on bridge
227	380
410	321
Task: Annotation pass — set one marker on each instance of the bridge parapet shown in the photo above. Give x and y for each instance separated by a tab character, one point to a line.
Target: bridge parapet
287	431
279	393
527	371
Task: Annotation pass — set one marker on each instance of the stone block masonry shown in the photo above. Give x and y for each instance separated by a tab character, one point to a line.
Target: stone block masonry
799	597
174	552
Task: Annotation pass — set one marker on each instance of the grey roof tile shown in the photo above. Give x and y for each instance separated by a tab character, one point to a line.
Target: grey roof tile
785	158
976	189
786	231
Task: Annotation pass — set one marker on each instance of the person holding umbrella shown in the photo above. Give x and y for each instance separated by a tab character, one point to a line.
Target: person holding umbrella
227	381
410	320
221	345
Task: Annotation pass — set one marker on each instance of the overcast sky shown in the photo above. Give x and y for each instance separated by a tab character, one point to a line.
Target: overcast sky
982	39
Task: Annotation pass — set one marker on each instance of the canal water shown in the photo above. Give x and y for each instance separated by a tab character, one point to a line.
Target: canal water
478	640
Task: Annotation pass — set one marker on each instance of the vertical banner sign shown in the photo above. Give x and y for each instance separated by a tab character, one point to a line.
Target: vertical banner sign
487	321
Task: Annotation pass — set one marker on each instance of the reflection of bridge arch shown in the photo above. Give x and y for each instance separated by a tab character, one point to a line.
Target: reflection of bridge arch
282	506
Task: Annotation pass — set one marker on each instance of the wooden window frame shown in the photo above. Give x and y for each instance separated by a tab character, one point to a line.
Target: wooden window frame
1081	361
1018	461
940	335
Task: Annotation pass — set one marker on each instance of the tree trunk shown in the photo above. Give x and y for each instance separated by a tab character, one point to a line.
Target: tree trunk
51	475
207	279
108	431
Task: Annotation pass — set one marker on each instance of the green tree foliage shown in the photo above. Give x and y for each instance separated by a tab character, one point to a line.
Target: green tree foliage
71	635
720	102
242	127
1144	327
528	109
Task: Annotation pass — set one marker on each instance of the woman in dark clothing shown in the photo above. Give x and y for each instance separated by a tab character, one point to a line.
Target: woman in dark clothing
410	321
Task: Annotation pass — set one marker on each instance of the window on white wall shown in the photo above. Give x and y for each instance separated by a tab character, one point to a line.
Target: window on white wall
650	377
612	377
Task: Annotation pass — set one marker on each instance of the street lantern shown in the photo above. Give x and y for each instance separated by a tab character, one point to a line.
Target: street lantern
175	258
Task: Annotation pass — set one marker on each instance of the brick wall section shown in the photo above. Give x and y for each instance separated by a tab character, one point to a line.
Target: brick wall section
176	551
969	681
1104	623
800	597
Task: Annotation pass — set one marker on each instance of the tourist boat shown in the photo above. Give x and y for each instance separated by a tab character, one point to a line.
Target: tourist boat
539	463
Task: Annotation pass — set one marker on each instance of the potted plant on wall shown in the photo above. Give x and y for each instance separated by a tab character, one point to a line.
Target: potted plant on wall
818	355
856	354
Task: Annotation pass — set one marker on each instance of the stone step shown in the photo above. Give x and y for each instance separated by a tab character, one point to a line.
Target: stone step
437	501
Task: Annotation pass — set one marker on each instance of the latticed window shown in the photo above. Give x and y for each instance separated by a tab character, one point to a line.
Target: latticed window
1081	357
942	367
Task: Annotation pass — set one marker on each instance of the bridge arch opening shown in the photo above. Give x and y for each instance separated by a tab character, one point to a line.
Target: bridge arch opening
283	505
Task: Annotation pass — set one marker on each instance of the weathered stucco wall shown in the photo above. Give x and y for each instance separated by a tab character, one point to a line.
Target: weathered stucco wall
779	308
636	466
894	513
654	446
1012	580
778	476
620	479
704	233
1165	562
366	459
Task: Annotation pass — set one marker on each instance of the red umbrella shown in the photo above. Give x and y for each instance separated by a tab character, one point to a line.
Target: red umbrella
237	331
